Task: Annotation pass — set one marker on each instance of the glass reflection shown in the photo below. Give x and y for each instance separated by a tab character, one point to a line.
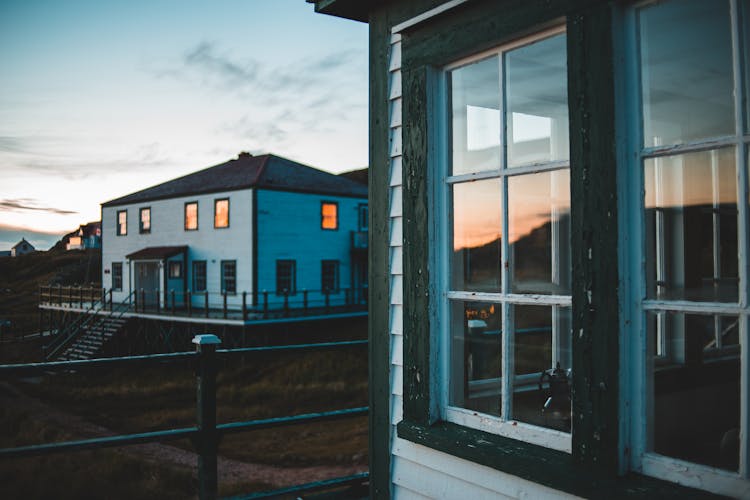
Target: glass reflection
539	232
691	226
695	388
537	102
476	361
686	67
476	236
475	118
542	357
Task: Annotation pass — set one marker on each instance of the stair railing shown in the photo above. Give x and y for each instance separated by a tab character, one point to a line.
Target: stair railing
74	329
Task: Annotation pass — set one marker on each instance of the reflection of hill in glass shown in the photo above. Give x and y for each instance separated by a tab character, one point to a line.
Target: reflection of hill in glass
531	262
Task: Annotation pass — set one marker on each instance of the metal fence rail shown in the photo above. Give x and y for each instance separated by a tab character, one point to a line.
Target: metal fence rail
207	434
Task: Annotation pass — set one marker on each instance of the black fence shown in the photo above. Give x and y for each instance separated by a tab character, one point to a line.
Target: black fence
206	434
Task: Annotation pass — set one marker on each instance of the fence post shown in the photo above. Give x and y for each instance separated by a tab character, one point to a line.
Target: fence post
265	303
328	298
207	441
158	301
304	298
189	297
143	300
224	311
244	306
205	301
171	292
286	302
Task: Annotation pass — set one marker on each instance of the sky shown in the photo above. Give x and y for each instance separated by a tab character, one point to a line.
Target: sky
101	99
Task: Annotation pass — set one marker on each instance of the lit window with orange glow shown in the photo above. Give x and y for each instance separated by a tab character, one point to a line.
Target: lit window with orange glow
122	223
221	213
191	216
329	215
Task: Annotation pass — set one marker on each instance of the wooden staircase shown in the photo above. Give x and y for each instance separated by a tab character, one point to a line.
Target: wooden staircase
93	338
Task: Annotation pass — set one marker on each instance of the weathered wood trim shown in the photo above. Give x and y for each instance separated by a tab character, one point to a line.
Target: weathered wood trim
379	282
594	239
541	465
417	346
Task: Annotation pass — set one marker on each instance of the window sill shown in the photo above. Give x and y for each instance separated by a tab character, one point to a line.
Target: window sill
551	468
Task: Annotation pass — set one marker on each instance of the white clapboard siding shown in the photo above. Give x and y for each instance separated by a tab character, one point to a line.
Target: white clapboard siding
419	472
207	243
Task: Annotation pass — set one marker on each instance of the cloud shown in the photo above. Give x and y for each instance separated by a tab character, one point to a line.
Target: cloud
28	204
72	167
204	56
10	235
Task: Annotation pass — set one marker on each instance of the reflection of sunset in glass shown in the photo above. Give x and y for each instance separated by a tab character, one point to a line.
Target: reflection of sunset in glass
476	213
692	179
221	217
535	200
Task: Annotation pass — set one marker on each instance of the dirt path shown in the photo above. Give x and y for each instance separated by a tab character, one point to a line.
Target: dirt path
230	471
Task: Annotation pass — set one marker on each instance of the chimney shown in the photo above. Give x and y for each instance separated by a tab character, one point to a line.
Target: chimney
243	155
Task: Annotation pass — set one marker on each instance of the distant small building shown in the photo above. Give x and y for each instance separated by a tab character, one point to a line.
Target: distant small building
86	236
21	248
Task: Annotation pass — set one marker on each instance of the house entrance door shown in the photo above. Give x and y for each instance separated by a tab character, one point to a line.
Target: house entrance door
147	279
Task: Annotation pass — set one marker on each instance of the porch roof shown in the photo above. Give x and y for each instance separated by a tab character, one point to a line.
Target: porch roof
153	253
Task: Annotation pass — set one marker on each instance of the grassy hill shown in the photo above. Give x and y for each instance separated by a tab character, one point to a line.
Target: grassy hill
20	278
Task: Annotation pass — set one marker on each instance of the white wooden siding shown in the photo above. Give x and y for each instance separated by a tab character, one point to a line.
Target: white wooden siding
168	229
418	472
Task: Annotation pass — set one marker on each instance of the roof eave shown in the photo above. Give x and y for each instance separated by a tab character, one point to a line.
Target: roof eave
356	10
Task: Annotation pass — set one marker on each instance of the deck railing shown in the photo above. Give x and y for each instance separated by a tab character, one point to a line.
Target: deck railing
206	434
246	306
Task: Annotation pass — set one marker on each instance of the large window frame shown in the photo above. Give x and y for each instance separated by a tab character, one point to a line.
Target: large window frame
286	277
641	355
505	299
117	276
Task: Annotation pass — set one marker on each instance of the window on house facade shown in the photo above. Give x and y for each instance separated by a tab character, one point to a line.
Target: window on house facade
145	220
199	276
286	277
175	270
692	144
329	215
117	276
229	276
221	213
363	217
506	242
329	276
122	222
191	216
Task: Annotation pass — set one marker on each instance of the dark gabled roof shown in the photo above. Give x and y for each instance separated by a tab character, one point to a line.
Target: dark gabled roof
153	253
247	171
23	240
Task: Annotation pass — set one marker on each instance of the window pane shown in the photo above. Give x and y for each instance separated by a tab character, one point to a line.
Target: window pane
539	232
691	226
191	216
221	213
695	392
542	359
199	276
686	67
476	236
329	216
536	80
476	356
475	118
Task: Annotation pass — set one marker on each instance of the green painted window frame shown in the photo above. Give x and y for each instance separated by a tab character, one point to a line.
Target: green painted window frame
471	29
